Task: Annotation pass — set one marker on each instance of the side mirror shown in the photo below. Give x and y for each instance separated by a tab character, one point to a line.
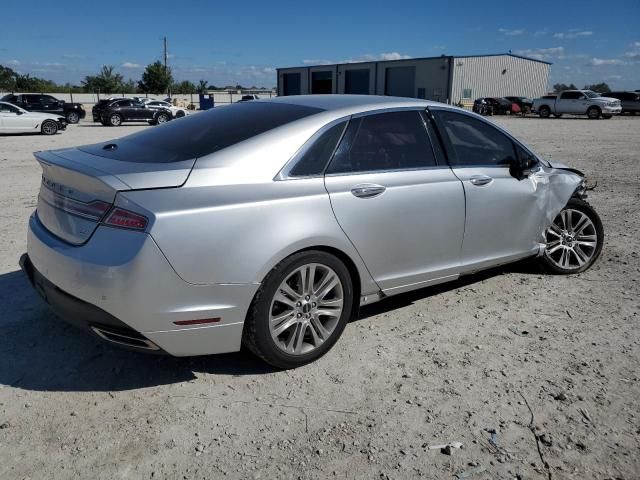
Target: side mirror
19	112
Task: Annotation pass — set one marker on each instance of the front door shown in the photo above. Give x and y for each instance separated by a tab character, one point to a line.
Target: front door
504	215
401	209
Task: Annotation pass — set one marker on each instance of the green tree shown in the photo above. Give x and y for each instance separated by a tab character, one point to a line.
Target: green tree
156	79
203	86
130	86
598	87
106	81
558	87
7	79
185	87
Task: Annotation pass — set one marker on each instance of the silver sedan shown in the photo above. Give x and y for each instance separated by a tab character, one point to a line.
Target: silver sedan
269	223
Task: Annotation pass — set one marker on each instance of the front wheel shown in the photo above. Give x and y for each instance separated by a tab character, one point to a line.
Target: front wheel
607	116
574	239
300	310
73	117
557	115
115	120
49	127
593	113
162	118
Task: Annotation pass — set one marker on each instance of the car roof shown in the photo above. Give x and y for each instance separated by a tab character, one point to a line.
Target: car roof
347	104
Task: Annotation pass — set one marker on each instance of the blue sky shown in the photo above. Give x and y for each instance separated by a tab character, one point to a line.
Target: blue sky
244	42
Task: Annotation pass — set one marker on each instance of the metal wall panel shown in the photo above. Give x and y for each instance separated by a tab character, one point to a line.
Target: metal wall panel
498	76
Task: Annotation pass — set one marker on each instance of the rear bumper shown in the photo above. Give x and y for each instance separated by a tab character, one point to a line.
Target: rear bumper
121	279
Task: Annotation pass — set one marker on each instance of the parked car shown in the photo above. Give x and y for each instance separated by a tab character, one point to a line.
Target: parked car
14	119
116	112
630	101
492	106
100	106
524	103
33	102
204	234
577	102
246	98
177	112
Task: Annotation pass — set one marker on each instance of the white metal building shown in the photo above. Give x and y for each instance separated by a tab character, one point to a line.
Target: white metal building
445	79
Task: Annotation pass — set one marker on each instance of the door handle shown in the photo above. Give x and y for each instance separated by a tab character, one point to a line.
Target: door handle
367	190
479	180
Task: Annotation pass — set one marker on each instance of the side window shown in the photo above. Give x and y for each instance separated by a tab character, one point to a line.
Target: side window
471	142
47	99
313	159
571	95
123	103
527	158
384	141
5	108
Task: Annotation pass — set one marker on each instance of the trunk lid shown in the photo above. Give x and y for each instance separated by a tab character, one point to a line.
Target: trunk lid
79	186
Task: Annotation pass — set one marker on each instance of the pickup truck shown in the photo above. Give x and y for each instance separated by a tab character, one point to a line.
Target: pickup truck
34	102
577	102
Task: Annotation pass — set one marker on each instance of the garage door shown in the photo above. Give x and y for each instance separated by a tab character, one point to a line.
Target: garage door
357	81
400	81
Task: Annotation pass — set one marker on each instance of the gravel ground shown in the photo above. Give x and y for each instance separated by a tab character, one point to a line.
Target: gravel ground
445	364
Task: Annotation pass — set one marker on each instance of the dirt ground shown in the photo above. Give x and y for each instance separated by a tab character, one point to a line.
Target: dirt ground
511	351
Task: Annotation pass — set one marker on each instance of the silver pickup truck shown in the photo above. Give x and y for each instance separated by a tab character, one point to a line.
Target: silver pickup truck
577	102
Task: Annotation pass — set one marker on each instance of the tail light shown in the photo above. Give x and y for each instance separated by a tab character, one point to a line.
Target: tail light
92	210
119	217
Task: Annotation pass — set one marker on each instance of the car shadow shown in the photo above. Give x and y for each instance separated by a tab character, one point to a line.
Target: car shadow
40	352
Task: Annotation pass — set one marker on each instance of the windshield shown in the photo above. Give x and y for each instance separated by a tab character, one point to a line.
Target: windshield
591	94
200	134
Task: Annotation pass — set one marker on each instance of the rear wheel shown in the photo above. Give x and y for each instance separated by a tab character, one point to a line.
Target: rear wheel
300	310
574	239
49	127
180	114
557	115
73	117
115	120
544	112
607	117
594	113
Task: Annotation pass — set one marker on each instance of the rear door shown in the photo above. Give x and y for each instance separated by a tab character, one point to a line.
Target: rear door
570	102
504	215
402	209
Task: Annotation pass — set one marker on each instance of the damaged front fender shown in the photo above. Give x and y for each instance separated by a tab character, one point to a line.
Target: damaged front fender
554	186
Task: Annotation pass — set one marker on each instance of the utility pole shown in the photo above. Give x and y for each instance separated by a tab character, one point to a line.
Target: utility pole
165	65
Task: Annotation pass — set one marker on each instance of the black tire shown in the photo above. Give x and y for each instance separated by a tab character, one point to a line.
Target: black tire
256	335
557	115
49	127
544	111
594	113
162	118
598	230
607	116
73	117
115	120
180	114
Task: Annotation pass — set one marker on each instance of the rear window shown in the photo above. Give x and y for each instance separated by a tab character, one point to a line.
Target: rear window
200	134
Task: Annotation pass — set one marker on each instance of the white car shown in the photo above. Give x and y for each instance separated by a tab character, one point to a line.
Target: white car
178	112
14	119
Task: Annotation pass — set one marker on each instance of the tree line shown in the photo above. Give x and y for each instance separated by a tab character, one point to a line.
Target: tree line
156	79
596	87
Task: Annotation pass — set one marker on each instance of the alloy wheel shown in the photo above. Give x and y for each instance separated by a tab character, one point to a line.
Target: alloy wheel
572	240
306	309
49	128
116	120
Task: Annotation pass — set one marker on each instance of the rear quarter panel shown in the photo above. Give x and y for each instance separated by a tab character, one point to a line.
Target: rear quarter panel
224	234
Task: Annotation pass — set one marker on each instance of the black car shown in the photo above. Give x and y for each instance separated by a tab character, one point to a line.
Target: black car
34	102
492	106
116	112
630	101
524	103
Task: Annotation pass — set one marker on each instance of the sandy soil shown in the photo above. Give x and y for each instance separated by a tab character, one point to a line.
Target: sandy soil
445	364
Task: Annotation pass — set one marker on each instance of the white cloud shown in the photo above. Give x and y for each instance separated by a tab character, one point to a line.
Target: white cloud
542	53
13	62
315	61
573	34
130	65
597	62
540	33
511	33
